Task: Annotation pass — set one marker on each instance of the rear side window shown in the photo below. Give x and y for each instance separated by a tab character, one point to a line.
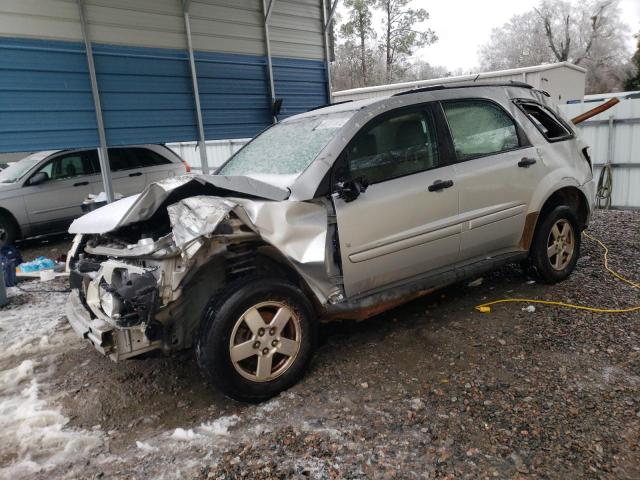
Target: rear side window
480	127
551	127
149	158
122	159
401	144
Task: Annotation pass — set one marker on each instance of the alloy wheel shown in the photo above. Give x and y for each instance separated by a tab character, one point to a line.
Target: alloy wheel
560	244
265	341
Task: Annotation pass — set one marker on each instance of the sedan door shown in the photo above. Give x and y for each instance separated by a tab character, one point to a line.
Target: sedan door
127	174
497	171
155	166
405	224
54	203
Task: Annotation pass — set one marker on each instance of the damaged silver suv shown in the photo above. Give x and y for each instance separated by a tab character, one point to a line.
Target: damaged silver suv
340	212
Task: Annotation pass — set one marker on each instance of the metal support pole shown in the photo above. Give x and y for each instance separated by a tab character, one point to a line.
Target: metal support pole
326	23
267	16
202	146
610	143
103	152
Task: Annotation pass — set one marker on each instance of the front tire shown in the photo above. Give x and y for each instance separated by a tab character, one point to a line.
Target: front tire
556	245
257	338
8	230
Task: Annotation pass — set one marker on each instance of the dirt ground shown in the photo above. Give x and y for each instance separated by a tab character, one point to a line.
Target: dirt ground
432	389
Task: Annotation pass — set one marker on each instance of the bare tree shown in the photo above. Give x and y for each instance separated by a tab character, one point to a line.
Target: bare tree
562	22
359	27
401	33
633	82
590	34
520	42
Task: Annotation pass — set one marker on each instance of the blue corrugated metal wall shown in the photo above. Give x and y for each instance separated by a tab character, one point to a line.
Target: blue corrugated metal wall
45	95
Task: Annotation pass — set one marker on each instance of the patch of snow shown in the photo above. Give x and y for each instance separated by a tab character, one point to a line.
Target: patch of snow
27	327
145	447
529	309
220	426
269	406
32	433
184	435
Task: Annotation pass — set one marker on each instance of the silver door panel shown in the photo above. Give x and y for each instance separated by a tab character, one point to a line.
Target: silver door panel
398	229
494	199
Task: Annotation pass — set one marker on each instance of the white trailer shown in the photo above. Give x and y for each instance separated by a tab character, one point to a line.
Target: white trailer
564	81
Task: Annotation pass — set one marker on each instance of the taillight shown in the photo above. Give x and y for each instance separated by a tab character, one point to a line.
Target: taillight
187	167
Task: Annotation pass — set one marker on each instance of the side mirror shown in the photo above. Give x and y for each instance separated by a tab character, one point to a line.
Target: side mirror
38	178
349	190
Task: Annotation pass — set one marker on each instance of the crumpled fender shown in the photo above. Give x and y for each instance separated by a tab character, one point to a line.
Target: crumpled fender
297	229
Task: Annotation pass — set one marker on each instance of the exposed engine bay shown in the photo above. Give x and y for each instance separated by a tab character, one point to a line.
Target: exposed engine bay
142	277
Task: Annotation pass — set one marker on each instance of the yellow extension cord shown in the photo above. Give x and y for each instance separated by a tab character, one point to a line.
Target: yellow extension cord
486	307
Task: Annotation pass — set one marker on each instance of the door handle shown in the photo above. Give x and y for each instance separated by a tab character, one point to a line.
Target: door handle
440	185
80	184
526	162
137	174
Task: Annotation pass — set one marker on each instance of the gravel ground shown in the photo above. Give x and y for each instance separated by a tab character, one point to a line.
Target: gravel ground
432	389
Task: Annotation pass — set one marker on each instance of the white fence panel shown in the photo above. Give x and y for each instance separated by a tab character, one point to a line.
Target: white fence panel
621	124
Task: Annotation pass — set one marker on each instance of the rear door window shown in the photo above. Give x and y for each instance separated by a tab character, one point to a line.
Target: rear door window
122	159
479	128
398	145
149	158
551	127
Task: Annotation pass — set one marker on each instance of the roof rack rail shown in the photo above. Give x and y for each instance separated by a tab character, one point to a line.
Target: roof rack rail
328	105
443	86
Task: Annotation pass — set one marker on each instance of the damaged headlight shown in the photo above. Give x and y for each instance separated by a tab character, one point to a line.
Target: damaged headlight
109	303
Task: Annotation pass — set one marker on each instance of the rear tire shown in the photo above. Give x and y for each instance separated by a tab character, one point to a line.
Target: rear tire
8	230
257	338
556	245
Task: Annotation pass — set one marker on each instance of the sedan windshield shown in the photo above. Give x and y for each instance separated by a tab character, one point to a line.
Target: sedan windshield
17	170
287	148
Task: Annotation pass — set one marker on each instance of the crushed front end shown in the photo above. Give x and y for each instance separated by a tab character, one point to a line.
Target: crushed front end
117	303
143	270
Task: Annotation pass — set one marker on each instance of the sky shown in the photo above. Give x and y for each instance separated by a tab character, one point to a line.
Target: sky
463	26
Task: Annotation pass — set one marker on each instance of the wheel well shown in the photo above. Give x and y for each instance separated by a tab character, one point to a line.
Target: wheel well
572	197
9	216
265	260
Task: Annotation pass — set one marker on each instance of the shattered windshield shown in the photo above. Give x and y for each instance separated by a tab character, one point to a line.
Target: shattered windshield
287	148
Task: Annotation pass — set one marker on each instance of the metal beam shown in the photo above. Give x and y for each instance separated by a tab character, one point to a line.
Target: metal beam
326	22
202	146
103	152
267	16
332	12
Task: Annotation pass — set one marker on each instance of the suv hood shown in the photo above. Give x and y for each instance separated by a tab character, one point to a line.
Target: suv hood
142	206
